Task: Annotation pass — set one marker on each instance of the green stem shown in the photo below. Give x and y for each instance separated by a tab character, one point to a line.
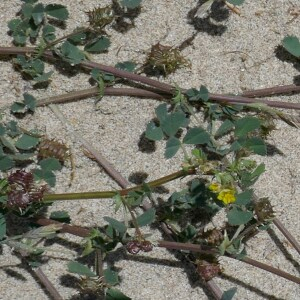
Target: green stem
110	194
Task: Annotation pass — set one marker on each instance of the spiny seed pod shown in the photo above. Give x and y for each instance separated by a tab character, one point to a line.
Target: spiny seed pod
22	190
53	148
92	285
165	59
264	210
146	246
133	247
21	178
208	271
99	17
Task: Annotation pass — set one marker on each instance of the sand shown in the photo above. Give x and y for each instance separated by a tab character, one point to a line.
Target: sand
230	54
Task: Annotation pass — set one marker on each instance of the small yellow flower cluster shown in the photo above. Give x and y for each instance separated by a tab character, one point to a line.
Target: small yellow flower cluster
226	195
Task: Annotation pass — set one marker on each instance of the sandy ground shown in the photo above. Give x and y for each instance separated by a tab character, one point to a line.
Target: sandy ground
229	54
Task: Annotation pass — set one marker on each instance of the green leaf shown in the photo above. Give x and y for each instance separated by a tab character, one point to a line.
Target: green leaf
131	3
44	77
203	93
229	294
2	226
2	129
246	125
128	66
292	45
244	198
38	13
14	24
18	107
61	216
80	269
236	2
196	136
29	101
153	132
146	218
57	11
114	294
48	33
173	122
71	53
27	10
225	127
26	142
111	277
117	225
256	145
238	217
172	146
50	164
98	45
46	175
6	163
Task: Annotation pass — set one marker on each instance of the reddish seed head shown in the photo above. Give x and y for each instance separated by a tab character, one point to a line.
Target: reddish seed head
133	247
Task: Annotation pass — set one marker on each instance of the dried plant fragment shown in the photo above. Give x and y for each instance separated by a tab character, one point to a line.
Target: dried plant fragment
264	210
165	59
53	148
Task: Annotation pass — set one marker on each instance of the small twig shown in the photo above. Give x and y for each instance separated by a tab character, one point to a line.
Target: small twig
47	283
91	92
104	163
163	87
270	269
276	90
287	234
197	248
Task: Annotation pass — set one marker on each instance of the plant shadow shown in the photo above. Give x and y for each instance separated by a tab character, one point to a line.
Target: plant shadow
210	23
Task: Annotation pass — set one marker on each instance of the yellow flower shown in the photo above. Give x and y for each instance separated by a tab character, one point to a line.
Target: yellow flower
227	196
214	187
